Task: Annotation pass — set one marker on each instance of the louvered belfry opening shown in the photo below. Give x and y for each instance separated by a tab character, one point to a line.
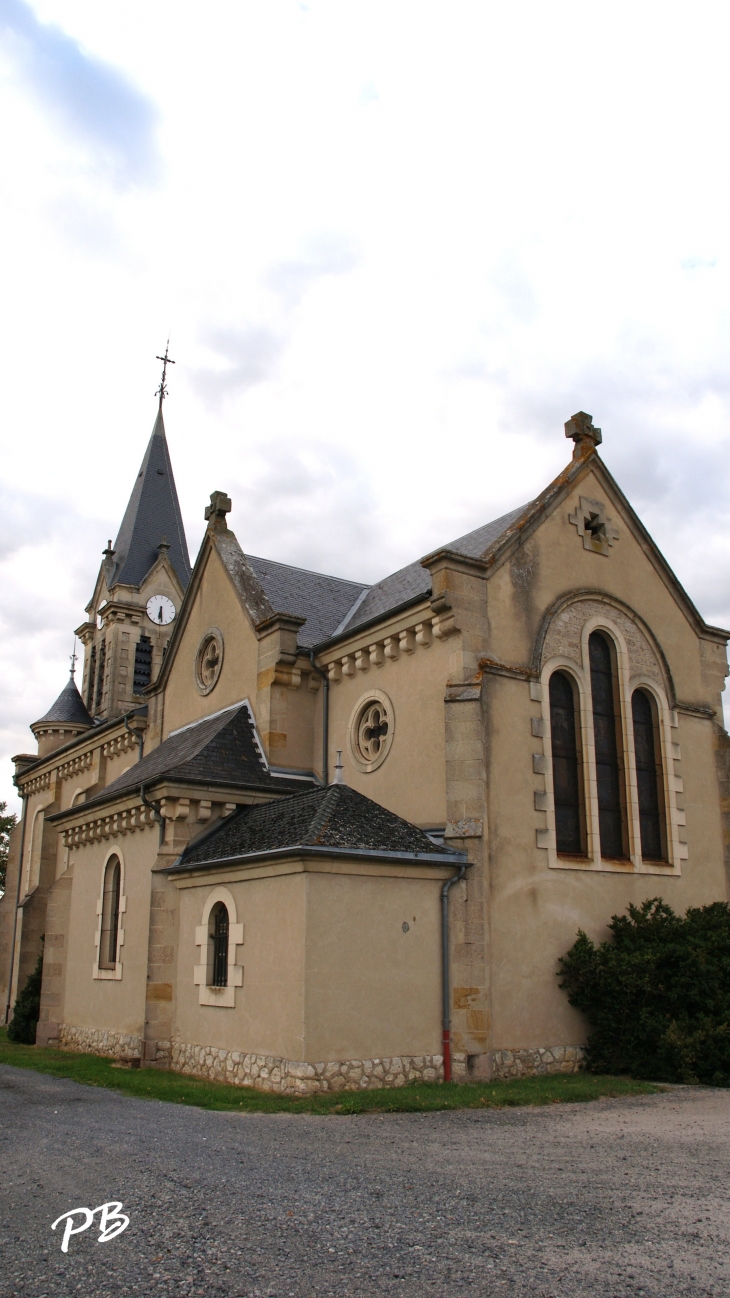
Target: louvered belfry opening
567	782
647	750
142	664
110	914
219	938
100	676
608	748
92	678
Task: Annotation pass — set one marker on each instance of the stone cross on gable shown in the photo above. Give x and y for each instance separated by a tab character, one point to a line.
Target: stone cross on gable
580	428
215	512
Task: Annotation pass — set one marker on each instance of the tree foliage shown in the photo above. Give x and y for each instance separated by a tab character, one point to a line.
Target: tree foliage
22	1026
657	993
7	824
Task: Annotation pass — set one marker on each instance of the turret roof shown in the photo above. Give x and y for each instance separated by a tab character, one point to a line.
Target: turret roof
69	709
153	513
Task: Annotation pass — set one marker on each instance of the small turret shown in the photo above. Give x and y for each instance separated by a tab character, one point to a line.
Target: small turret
64	721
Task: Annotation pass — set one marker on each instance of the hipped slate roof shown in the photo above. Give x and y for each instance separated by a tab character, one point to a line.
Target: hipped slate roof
335	819
153	513
69	709
221	749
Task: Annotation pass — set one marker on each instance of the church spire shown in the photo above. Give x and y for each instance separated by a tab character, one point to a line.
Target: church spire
153	513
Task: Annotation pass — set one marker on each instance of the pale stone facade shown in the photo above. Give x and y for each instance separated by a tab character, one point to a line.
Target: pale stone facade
436	686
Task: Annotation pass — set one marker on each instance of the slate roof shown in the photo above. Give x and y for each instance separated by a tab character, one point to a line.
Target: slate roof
69	708
220	749
323	601
335	819
153	513
333	606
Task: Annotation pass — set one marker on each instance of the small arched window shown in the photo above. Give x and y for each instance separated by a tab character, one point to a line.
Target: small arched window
110	914
647	749
218	946
608	747
567	781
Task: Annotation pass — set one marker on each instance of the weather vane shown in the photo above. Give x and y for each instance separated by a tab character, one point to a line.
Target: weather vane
166	360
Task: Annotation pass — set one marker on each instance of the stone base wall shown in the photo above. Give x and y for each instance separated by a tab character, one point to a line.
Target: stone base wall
98	1041
292	1077
536	1063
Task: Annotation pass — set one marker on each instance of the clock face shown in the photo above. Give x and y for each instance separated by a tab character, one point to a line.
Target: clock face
160	610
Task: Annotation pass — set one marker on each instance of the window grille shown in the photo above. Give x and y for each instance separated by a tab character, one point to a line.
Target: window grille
110	914
567	774
647	749
142	664
100	675
219	937
90	681
608	748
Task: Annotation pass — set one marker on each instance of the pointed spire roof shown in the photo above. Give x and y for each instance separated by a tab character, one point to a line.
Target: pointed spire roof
69	709
152	515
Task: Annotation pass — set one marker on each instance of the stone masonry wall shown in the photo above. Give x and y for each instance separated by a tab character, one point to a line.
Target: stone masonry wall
97	1041
292	1077
535	1063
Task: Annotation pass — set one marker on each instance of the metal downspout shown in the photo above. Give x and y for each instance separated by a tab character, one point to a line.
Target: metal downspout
139	735
325	719
445	987
154	808
15	912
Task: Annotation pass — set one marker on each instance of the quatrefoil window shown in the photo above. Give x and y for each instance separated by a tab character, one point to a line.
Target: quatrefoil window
370	732
209	660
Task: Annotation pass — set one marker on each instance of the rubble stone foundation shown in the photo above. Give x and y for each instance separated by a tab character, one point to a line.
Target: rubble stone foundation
99	1041
536	1063
293	1077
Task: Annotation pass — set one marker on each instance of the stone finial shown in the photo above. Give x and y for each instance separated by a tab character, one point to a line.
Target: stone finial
163	547
586	437
215	512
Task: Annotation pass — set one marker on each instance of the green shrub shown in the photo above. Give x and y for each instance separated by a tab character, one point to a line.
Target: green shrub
657	995
22	1026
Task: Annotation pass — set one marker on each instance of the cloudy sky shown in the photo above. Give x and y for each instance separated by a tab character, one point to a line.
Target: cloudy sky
395	243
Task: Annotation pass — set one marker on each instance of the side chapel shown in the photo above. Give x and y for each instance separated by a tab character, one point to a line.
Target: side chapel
301	833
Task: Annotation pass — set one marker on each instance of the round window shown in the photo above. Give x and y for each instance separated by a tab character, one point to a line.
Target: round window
209	660
370	733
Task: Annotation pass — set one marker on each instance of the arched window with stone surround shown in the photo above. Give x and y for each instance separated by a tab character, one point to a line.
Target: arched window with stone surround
608	746
567	766
649	776
109	938
218	946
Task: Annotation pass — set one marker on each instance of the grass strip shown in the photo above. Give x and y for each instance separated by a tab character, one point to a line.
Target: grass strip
174	1088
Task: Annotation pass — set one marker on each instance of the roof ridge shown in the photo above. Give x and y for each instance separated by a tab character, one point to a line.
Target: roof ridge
324	815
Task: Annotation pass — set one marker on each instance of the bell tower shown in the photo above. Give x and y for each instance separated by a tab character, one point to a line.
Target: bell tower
140	586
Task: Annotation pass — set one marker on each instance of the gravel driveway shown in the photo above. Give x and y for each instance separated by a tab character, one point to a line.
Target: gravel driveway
608	1199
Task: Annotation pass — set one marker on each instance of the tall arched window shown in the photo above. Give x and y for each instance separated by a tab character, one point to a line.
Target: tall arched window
567	782
608	747
647	749
218	946
110	914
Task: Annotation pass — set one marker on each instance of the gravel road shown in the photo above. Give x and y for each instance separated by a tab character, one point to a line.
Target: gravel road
614	1198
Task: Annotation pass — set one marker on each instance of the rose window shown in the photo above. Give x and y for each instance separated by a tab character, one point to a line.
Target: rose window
209	660
370	733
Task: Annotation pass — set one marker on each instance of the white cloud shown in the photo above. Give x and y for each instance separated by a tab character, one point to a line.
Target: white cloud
396	247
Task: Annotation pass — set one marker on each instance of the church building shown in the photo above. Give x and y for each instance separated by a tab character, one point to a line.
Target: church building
300	833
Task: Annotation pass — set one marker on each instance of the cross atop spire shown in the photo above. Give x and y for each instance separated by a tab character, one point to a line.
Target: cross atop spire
166	360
